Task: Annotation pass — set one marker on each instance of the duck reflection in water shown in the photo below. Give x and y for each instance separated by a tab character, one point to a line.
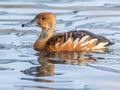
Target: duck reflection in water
47	60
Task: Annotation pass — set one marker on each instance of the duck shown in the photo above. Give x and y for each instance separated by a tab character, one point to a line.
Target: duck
71	41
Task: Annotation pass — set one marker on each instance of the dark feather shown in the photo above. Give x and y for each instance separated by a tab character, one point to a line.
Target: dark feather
63	37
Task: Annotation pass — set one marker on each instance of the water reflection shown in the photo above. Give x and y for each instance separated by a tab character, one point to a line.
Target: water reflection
47	60
72	58
39	80
47	69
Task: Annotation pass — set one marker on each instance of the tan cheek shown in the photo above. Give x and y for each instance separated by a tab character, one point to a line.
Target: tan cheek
44	25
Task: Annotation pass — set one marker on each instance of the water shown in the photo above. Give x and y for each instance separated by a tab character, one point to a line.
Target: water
23	68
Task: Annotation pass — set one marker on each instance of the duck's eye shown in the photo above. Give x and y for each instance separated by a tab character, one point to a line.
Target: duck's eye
43	18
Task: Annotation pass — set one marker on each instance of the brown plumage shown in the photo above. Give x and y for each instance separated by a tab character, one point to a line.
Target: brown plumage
83	41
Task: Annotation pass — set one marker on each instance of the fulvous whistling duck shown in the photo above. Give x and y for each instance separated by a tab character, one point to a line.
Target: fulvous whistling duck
82	41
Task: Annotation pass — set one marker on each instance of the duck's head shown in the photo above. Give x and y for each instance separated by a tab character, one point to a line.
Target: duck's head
46	21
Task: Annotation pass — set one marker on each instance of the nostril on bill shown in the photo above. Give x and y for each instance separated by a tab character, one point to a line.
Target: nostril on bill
23	25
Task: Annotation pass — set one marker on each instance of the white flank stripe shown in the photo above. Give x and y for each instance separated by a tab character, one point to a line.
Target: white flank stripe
83	39
68	41
76	42
100	45
57	44
89	42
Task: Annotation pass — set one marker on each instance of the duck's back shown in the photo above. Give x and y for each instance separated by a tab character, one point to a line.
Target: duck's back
83	41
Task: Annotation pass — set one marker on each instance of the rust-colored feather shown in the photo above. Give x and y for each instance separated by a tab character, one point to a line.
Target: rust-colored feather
74	41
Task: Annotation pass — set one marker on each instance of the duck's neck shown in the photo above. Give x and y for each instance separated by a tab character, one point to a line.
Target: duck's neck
40	43
46	34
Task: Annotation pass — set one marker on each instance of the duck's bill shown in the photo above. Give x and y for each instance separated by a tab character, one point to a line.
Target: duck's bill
31	23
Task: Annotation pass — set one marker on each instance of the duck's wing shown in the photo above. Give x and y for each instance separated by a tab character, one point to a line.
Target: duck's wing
77	41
